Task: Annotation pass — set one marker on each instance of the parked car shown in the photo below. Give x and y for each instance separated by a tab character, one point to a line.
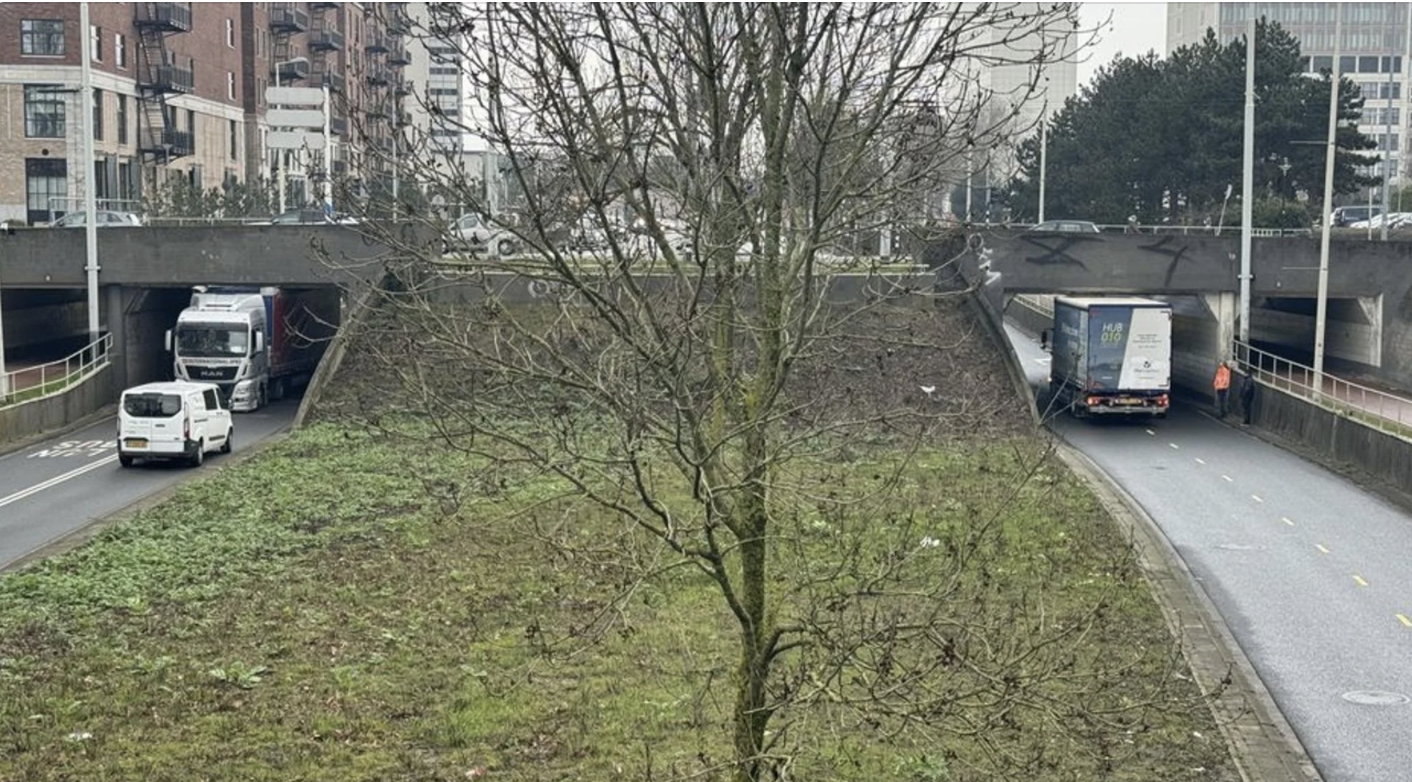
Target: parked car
180	421
1065	227
1346	216
473	233
1395	221
312	216
103	218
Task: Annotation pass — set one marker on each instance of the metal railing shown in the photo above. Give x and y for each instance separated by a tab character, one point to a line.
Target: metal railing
1371	407
45	380
1044	305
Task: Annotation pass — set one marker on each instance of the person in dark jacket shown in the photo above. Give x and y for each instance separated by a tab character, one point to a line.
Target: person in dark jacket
1247	397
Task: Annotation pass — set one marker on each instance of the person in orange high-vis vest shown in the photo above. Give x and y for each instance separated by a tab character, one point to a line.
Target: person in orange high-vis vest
1222	384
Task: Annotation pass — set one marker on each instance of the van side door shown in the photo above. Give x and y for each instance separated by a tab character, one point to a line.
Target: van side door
217	418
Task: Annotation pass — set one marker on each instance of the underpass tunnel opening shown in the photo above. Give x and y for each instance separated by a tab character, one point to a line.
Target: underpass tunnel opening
1284	327
42	324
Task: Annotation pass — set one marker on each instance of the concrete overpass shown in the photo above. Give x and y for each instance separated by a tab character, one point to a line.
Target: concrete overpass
1369	328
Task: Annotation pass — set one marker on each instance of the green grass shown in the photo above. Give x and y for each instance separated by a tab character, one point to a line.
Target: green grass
347	607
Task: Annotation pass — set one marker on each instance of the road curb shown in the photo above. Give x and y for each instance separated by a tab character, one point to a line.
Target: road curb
77	537
1262	743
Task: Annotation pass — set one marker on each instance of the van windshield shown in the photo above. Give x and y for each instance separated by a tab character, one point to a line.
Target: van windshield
152	405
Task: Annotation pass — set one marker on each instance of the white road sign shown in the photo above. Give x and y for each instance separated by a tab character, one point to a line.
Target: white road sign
294	139
294	96
295	118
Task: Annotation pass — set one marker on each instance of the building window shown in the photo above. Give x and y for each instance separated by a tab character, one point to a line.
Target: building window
259	90
230	33
230	85
46	188
95	43
120	50
97	115
42	37
44	111
127	185
191	128
122	119
234	141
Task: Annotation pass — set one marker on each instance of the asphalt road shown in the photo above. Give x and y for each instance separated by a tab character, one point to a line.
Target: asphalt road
58	486
1308	570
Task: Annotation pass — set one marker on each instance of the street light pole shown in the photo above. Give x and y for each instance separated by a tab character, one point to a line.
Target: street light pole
90	204
1387	151
1321	310
1247	187
283	154
1043	162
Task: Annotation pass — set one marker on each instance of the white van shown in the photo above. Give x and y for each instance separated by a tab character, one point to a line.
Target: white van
179	420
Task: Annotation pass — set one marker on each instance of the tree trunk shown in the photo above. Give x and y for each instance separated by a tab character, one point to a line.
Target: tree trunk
751	708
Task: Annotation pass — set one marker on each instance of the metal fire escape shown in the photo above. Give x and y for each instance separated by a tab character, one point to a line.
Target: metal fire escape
158	76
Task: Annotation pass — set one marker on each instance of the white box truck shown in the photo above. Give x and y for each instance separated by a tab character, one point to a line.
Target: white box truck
1111	356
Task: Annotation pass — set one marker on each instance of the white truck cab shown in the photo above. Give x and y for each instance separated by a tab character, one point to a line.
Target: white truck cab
173	421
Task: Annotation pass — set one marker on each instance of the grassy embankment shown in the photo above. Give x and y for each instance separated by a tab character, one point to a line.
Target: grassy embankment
347	607
355	606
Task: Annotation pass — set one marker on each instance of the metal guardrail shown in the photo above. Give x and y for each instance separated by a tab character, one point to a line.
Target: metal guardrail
1044	305
1371	407
55	377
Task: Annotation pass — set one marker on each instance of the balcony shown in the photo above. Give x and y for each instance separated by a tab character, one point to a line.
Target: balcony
167	79
378	112
402	119
376	43
325	39
288	18
334	81
164	17
337	125
378	76
398	56
403	89
167	142
291	70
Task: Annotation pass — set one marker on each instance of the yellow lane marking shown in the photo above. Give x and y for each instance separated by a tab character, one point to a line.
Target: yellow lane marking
1404	620
1359	580
1320	547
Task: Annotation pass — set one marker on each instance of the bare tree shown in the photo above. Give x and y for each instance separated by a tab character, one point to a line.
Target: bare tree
680	373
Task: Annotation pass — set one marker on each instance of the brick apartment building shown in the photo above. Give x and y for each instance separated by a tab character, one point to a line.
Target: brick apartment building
179	95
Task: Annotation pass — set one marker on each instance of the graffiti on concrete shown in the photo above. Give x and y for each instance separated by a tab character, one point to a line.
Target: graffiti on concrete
1056	249
1161	247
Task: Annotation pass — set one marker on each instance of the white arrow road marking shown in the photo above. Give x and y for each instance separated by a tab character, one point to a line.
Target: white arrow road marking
56	480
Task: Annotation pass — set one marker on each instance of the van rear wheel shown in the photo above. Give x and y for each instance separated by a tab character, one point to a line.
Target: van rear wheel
225	446
200	455
125	460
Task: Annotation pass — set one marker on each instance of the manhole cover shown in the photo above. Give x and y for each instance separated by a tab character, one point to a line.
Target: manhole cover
1375	698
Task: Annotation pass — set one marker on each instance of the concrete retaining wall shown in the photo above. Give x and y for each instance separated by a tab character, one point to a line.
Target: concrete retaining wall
56	412
1027	317
1335	437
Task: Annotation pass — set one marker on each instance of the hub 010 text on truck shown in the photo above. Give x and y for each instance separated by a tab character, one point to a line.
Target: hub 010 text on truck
1111	356
253	343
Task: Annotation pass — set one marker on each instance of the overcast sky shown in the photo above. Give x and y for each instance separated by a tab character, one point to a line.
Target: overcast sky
1135	28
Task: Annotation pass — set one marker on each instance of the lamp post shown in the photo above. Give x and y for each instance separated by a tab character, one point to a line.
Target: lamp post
90	204
1321	309
1247	195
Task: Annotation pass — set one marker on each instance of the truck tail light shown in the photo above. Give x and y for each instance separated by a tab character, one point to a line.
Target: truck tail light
1091	401
1162	401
